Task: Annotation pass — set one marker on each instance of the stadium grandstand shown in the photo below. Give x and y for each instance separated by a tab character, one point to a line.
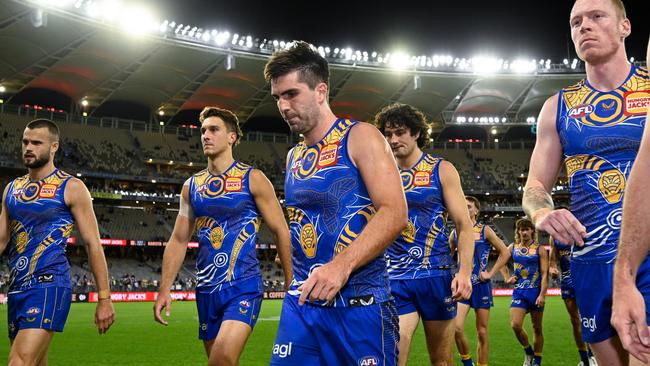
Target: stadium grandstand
133	136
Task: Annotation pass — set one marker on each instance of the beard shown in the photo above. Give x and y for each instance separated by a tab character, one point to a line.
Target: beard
39	162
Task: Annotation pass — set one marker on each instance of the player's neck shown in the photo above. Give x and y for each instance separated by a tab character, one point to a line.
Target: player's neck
608	75
42	172
410	160
325	121
527	243
218	164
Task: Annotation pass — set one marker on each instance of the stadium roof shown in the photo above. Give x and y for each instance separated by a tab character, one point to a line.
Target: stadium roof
85	60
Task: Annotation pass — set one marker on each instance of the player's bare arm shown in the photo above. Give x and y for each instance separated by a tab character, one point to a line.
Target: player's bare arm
269	207
504	270
4	223
553	259
174	255
78	199
543	269
456	204
370	152
500	246
545	164
628	311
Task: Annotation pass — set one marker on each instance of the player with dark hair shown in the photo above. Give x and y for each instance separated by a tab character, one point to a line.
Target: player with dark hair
222	204
481	300
420	264
339	310
39	212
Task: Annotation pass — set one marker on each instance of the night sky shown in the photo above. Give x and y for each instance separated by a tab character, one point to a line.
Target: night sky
508	29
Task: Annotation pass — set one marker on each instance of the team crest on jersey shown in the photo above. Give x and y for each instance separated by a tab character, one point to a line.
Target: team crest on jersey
637	102
233	184
328	155
581	111
421	179
48	191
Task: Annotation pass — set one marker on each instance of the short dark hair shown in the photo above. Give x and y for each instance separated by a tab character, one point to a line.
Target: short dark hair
398	115
302	57
52	128
229	119
475	201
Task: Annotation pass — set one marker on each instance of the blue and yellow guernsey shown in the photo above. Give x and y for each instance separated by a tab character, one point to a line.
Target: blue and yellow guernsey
226	224
422	249
39	223
600	133
564	259
481	252
328	206
526	262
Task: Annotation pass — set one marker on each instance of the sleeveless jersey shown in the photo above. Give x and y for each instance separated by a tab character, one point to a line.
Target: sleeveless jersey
422	249
564	258
226	225
39	224
328	206
481	252
600	133
527	264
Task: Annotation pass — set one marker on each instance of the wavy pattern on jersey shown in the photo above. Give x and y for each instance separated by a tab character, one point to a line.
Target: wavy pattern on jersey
422	248
328	206
526	265
353	227
226	225
600	133
40	224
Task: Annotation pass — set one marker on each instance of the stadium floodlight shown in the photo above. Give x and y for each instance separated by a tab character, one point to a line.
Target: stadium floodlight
230	62
485	65
521	66
2	89
161	112
470	119
84	103
93	10
222	38
632	59
496	140
79	175
206	37
399	60
494	131
77	4
162	123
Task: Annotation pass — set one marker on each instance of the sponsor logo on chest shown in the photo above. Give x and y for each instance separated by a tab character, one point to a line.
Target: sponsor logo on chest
636	102
421	179
233	184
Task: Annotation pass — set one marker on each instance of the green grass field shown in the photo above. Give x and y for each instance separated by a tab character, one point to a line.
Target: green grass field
135	339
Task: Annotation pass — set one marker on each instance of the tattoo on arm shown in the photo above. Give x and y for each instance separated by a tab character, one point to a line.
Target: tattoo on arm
536	198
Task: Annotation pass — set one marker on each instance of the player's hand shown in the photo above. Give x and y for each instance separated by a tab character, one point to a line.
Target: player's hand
485	276
541	300
163	301
104	315
629	320
461	287
324	282
554	272
512	280
561	225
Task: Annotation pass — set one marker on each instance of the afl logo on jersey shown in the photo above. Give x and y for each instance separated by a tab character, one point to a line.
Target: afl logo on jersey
637	102
581	111
369	361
